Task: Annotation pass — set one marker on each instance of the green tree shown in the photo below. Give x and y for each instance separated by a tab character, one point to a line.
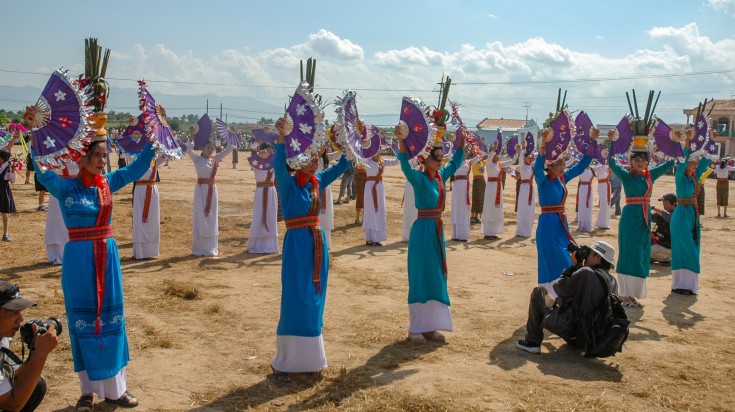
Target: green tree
175	124
3	117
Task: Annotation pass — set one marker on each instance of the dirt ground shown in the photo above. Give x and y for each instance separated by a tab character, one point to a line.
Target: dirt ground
202	330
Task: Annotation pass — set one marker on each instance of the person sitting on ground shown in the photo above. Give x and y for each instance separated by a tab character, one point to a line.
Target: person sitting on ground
21	386
661	245
579	290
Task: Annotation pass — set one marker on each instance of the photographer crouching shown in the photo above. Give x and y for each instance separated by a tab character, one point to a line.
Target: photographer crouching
586	313
21	385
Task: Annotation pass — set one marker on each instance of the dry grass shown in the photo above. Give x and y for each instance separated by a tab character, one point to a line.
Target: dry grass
181	289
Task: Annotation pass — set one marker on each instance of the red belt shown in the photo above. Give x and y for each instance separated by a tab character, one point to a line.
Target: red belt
90	233
589	192
561	212
210	191
497	188
465	177
530	189
312	223
606	181
692	201
436	215
376	179
267	183
148	194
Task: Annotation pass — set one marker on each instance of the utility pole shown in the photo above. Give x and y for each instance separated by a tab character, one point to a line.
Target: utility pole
527	105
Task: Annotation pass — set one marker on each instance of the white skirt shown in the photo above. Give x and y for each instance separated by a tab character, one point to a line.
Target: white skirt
298	354
205	245
56	234
146	236
631	286
685	279
461	231
428	317
112	388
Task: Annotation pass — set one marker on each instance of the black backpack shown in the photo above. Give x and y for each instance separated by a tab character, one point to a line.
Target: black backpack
609	327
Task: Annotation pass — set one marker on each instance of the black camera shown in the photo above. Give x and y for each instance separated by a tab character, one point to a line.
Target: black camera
580	252
26	331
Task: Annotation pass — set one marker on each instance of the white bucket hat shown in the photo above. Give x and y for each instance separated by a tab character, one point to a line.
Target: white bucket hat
605	250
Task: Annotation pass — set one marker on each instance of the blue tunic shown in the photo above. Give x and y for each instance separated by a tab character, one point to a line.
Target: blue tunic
301	307
103	355
551	236
634	238
425	278
684	250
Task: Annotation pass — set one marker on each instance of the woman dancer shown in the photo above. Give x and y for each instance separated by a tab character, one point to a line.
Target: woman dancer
375	217
478	190
526	198
493	218
722	171
585	199
360	180
264	227
552	232
146	213
90	275
205	234
326	215
428	299
56	235
305	264
634	232
686	232
604	192
7	204
460	214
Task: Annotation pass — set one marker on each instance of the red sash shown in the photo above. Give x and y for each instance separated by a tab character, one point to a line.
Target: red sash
436	215
378	179
465	177
692	201
497	188
589	192
560	211
311	221
607	182
210	189
98	234
265	184
644	201
148	192
530	187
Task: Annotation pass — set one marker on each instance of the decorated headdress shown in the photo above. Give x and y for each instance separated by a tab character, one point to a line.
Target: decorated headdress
417	128
667	140
700	144
372	145
562	129
134	137
583	141
261	161
471	138
60	121
154	115
228	133
510	146
439	114
305	122
349	133
265	135
529	144
634	129
201	131
499	145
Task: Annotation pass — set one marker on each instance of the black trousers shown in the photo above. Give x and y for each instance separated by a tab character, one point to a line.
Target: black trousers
36	397
541	303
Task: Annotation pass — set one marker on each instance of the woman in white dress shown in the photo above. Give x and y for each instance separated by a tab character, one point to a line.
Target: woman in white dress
526	198
461	201
492	210
585	198
205	233
264	227
602	173
56	234
375	217
326	215
410	213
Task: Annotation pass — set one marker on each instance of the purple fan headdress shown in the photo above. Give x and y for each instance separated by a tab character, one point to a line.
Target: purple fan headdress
420	133
702	133
231	136
202	131
371	146
666	139
265	135
257	162
562	130
478	146
510	146
349	132
583	140
306	121
529	144
59	121
134	137
160	132
622	136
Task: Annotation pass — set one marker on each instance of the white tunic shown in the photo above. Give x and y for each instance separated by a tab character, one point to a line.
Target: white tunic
146	235
526	211
56	234
375	222
410	213
326	214
205	232
602	172
262	239
460	214
492	214
584	208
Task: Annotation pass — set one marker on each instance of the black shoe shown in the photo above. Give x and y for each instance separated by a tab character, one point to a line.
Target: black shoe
528	346
667	263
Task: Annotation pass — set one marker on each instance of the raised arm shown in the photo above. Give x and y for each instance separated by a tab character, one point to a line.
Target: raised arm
539	175
661	169
577	169
333	172
616	169
454	164
50	180
221	155
133	171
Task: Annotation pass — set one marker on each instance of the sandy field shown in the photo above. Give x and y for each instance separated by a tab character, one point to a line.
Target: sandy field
202	330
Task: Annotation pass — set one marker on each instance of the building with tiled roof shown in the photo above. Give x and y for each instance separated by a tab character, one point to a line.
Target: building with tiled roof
723	120
488	128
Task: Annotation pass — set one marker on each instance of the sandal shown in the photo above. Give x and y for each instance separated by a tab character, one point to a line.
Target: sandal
282	377
435	336
127	400
85	403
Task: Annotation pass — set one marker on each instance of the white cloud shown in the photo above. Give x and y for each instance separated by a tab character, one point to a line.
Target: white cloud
725	6
328	44
492	16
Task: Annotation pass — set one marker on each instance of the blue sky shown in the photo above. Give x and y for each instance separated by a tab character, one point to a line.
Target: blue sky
511	52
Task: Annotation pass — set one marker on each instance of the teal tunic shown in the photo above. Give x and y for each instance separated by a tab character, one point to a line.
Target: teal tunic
684	249
425	278
634	237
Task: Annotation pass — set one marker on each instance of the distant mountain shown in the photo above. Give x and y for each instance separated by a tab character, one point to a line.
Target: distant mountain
237	109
